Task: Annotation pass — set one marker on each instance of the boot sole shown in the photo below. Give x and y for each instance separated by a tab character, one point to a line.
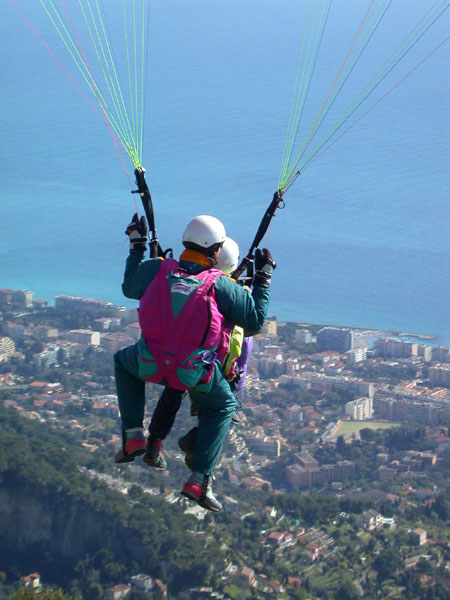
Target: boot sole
127	458
189	496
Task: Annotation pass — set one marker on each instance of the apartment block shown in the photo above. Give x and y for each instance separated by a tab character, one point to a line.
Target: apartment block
7	346
360	409
306	477
439	375
440	354
83	336
393	348
270	328
95	307
335	338
303	336
403	410
356	355
23	298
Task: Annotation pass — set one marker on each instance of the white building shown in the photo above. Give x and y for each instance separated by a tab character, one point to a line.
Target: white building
83	336
359	409
356	355
7	346
303	336
142	582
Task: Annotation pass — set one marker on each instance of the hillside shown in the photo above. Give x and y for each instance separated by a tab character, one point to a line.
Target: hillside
56	520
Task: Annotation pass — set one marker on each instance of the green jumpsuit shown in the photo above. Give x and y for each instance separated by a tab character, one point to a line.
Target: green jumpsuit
216	406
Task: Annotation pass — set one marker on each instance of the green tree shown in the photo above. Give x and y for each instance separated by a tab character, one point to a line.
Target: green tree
442	506
347	591
367	434
387	563
340	445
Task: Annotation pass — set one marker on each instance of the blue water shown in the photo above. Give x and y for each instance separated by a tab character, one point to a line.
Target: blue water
364	237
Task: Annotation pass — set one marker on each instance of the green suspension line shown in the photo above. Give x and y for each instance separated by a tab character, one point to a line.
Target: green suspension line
124	116
371	20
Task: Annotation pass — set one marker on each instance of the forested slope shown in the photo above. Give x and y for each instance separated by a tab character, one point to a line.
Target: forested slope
56	520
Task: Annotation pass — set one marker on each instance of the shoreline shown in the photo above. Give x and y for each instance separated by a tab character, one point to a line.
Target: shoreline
374	332
368	331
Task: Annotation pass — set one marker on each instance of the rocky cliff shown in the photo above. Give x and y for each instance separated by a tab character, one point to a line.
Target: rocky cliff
41	527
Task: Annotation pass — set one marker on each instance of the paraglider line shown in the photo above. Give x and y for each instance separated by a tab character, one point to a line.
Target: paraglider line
376	103
107	121
334	84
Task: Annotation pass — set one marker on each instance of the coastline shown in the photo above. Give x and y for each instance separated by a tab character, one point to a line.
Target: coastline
369	332
425	337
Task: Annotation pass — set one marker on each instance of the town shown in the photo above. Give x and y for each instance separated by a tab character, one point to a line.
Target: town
360	416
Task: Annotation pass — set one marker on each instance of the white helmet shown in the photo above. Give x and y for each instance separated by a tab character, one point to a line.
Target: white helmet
204	231
228	257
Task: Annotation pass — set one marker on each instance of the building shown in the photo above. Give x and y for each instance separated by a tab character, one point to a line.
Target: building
118	592
271	367
419	536
356	355
306	461
300	476
440	354
303	336
246	577
142	582
6	296
335	338
16	331
22	298
270	328
263	445
47	358
133	330
83	336
31	582
407	367
360	409
393	348
403	409
111	342
425	352
93	307
371	519
7	347
106	323
280	539
45	333
324	383
439	375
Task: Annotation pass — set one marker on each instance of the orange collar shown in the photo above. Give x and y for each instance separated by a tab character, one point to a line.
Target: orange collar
197	257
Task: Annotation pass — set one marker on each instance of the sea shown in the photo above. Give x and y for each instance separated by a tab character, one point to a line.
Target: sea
364	237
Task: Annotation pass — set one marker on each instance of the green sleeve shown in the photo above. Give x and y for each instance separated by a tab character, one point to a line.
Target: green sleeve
138	275
241	308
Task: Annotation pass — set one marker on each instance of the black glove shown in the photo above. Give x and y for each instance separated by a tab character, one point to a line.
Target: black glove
264	266
137	232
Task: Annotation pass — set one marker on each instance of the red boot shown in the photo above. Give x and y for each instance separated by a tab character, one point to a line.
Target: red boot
133	444
198	488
